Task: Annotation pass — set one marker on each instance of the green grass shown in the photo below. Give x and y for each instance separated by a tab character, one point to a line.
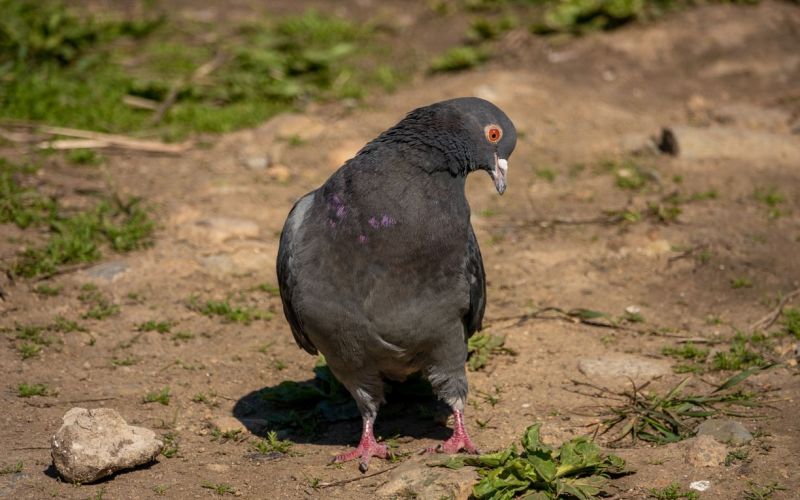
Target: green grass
575	469
546	174
61	324
182	336
628	174
582	16
84	157
100	306
686	351
229	435
791	322
170	449
219	488
160	489
736	456
737	283
228	312
741	354
71	237
484	28
269	288
772	199
28	390
271	444
68	68
28	350
161	396
758	492
155	326
47	290
11	469
20	205
33	340
459	58
127	361
481	347
672	492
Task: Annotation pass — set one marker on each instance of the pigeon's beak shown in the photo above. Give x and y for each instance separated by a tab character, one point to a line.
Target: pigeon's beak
499	174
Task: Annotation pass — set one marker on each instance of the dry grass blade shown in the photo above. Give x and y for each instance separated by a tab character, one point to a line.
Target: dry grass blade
673	416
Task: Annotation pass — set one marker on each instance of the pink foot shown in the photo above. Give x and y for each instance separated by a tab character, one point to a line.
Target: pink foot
458	441
367	448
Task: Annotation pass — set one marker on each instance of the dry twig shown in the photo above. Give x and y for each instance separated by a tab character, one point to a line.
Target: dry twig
770	319
172	96
357	478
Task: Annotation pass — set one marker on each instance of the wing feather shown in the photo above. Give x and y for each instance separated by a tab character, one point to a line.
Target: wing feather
287	274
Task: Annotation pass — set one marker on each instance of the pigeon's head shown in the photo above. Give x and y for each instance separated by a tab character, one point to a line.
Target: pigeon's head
492	136
483	135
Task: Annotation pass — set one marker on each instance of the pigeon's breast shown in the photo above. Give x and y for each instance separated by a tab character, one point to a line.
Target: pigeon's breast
386	283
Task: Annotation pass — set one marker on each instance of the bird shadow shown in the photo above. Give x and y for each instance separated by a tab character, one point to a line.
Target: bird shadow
321	411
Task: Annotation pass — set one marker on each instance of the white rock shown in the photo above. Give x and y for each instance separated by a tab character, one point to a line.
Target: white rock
92	444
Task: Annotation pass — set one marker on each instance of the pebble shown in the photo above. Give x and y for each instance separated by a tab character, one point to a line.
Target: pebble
704	451
725	431
93	444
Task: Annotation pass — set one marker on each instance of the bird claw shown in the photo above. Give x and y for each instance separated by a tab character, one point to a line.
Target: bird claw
364	451
454	445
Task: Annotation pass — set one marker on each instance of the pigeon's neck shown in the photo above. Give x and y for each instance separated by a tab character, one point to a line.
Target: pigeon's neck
430	152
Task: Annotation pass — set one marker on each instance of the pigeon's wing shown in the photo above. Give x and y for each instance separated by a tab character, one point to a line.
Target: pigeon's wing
473	319
287	274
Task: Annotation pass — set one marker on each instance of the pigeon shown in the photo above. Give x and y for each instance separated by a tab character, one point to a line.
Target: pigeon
379	268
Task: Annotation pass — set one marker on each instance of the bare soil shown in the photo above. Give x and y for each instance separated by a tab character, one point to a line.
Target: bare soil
577	103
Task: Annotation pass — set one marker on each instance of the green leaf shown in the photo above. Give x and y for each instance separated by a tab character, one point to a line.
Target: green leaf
581	313
532	443
739	377
544	468
492	459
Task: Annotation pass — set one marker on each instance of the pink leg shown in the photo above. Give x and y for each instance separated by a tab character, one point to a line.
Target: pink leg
367	448
459	440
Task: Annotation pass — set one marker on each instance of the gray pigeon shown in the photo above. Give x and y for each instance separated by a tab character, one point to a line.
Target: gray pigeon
379	268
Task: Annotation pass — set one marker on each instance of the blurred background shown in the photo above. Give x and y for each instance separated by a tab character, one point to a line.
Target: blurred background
648	244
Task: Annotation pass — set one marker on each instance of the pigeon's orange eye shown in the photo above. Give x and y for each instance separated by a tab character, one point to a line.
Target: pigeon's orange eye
493	133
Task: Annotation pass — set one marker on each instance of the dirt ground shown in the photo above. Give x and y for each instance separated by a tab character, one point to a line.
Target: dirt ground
725	78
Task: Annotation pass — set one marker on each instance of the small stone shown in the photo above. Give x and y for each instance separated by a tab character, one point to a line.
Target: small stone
93	444
280	173
700	485
107	271
704	451
228	424
725	431
256	162
415	479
